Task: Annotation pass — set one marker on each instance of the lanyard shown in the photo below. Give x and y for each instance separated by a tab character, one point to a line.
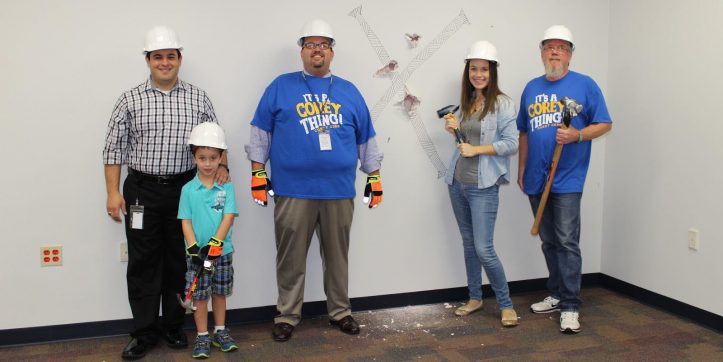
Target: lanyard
328	90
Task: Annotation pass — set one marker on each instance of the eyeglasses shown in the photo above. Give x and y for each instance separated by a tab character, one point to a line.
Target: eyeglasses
558	48
321	46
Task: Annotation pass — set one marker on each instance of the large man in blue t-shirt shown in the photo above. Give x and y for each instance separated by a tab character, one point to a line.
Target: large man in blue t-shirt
313	127
539	121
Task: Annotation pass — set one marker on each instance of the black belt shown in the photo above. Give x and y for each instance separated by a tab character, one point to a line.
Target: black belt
164	179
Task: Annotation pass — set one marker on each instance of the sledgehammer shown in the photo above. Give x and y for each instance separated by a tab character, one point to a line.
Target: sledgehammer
447	110
570	110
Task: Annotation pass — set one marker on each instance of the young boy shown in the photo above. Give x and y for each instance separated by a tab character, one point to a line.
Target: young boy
207	210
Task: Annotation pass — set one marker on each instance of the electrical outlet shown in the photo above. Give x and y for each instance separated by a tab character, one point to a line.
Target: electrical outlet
123	251
693	239
51	255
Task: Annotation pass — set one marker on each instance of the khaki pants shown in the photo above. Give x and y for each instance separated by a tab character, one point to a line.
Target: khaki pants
295	221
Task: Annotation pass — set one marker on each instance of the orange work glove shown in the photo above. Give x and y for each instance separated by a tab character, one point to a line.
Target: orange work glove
260	186
210	252
373	191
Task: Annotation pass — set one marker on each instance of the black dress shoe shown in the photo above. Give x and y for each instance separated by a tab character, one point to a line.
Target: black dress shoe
136	349
347	325
282	331
176	339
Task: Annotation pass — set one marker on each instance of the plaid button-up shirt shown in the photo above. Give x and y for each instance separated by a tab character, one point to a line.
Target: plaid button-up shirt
149	129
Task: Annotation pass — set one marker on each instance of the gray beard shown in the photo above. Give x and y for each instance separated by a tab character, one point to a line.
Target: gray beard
552	72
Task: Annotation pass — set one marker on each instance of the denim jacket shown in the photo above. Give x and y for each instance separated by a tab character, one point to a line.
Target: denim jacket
500	130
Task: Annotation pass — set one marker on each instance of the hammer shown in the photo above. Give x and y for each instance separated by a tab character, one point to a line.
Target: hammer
447	110
570	109
187	301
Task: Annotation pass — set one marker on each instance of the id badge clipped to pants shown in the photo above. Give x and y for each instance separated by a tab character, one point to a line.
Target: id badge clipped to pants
137	216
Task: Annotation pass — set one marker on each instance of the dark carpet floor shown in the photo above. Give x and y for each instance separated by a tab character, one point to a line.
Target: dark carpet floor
614	328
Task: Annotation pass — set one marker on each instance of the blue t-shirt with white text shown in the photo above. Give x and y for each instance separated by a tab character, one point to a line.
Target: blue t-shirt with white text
540	115
304	113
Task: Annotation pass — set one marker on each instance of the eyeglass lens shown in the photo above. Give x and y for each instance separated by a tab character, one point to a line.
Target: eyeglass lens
322	46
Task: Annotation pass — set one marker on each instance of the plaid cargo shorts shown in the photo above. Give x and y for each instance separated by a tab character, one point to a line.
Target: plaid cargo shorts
219	281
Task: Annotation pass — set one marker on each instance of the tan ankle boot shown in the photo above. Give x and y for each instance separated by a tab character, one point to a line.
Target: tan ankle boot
509	317
472	306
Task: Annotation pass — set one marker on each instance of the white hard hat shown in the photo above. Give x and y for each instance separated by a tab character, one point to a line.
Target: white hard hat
560	32
482	50
316	27
161	37
208	134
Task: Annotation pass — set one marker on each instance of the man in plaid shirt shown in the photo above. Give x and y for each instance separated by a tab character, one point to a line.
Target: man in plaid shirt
147	132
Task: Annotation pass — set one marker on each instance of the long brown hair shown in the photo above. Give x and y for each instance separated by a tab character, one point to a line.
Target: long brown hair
490	92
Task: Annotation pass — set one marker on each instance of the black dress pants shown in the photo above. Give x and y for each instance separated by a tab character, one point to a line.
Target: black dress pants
156	257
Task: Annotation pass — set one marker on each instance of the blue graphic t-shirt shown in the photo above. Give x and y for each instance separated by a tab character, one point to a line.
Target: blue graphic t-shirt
316	126
541	114
205	208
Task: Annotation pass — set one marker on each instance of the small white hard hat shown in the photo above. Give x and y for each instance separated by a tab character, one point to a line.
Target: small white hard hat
482	50
208	134
316	27
161	37
560	32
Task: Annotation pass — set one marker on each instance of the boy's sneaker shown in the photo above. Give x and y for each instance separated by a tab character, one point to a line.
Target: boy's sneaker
569	322
222	339
549	305
202	347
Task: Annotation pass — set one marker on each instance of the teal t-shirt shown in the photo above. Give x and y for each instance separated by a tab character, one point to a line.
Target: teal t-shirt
205	208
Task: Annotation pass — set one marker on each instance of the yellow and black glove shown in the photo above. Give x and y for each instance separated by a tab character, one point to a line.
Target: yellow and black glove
192	251
373	191
213	249
208	253
260	186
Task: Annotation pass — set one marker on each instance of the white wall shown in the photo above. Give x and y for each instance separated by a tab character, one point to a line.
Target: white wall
663	161
64	64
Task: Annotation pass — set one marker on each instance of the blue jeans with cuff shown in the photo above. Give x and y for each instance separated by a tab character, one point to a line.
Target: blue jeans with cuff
476	212
560	235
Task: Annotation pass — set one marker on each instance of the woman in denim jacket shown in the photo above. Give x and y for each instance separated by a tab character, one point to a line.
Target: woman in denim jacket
479	165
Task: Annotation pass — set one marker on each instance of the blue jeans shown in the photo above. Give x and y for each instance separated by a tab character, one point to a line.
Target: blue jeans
560	235
476	212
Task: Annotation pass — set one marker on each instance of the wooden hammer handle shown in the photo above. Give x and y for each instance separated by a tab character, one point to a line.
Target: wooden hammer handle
546	193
